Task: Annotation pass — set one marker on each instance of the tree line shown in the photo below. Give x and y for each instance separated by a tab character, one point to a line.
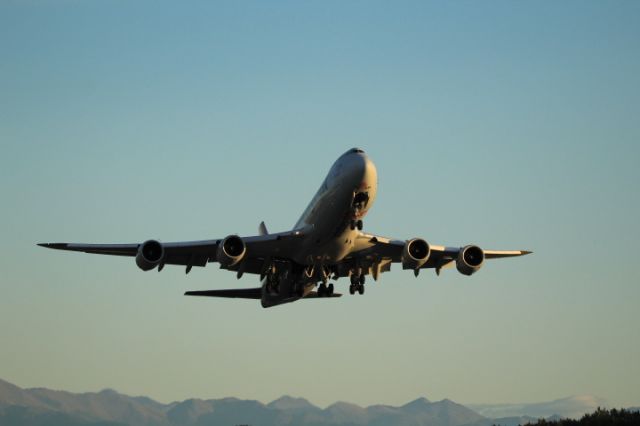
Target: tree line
600	417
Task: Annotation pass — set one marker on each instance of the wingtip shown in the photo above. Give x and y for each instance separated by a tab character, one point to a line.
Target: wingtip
54	245
525	252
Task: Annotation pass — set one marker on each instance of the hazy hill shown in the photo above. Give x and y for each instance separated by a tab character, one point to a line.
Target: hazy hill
44	407
571	407
107	405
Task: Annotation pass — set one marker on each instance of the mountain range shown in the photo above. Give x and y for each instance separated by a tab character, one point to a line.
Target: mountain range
44	407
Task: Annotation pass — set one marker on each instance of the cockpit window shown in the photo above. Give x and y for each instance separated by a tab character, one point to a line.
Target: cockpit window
357	150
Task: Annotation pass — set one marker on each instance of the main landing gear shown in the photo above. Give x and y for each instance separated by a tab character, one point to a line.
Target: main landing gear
356	224
357	284
325	290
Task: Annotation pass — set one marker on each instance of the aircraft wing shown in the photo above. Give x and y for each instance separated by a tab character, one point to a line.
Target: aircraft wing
196	252
199	253
379	252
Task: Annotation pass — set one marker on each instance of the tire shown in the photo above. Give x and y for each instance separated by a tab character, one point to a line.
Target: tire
362	279
359	225
330	289
361	289
352	289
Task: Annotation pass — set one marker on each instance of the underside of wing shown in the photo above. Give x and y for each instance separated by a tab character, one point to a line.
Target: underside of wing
241	254
376	253
496	254
110	249
150	253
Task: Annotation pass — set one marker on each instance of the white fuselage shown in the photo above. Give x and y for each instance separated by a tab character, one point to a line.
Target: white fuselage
346	195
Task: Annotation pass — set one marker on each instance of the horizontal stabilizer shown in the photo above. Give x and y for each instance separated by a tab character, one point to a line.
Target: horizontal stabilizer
240	293
314	294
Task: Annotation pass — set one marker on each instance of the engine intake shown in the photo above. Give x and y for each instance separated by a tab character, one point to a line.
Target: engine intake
415	253
470	260
150	255
231	251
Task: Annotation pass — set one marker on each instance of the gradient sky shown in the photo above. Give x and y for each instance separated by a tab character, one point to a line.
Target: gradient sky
511	125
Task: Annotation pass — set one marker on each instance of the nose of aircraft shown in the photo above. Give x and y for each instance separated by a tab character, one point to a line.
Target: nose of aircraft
363	166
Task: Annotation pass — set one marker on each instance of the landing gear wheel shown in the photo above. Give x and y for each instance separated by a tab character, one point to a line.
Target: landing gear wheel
359	225
361	289
352	225
361	280
330	289
352	289
322	290
354	279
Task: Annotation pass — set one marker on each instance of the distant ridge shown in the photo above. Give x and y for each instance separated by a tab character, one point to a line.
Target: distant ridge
45	407
570	407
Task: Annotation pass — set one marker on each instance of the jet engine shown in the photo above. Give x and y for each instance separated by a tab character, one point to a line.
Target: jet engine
231	251
470	260
415	254
150	254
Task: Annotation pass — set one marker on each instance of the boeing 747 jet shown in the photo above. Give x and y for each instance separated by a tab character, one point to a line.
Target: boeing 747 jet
327	243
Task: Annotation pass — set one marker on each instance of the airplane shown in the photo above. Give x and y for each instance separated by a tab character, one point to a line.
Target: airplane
326	243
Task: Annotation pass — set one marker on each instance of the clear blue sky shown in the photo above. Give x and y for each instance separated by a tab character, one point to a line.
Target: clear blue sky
512	125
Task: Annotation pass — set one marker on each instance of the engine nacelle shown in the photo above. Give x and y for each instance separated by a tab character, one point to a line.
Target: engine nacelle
150	255
231	251
415	253
470	260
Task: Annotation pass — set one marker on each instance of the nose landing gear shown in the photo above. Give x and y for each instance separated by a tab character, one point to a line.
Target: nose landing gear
359	203
356	224
360	200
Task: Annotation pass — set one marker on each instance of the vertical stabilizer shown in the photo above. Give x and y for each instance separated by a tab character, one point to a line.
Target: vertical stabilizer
262	229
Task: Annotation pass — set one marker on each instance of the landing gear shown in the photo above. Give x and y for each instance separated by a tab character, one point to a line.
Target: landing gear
322	289
357	284
360	200
325	290
356	224
356	287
